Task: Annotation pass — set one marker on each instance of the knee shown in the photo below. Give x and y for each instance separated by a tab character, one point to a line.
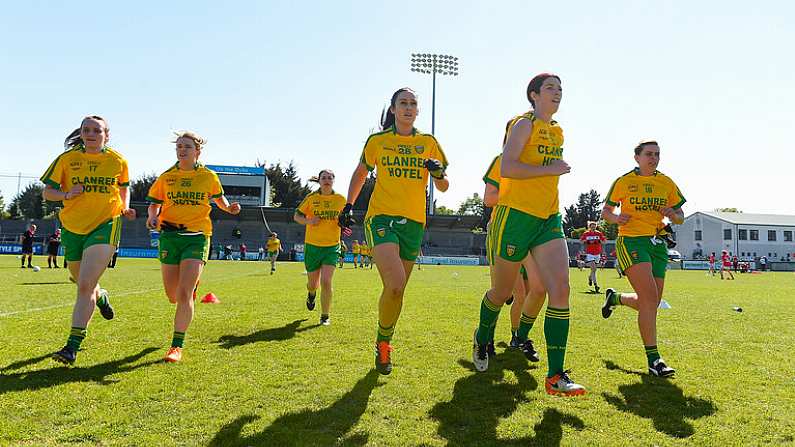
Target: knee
86	289
183	295
395	291
537	291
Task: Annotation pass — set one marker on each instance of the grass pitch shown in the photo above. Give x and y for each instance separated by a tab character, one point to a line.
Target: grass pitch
259	370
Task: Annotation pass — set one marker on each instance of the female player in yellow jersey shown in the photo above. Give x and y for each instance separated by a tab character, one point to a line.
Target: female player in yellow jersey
274	247
527	220
395	220
528	291
92	181
180	208
319	211
645	197
356	250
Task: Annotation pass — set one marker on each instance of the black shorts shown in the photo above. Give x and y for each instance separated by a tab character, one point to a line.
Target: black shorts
52	250
27	249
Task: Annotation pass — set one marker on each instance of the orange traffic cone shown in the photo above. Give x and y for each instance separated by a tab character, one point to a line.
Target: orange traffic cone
210	298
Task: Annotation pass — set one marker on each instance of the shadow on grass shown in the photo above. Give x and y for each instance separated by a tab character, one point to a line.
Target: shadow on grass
480	400
27	362
661	401
283	333
326	426
46	378
43	283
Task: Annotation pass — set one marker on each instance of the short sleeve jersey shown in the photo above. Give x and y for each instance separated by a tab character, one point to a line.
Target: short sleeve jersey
185	197
27	238
537	196
327	209
273	244
642	198
102	175
364	250
711	259
54	241
593	242
401	176
355	248
492	176
726	260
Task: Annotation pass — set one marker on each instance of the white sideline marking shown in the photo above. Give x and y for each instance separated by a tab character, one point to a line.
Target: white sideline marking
56	306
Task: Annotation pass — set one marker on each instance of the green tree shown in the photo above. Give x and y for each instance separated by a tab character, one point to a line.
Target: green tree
610	230
139	188
286	186
472	206
3	213
30	204
444	211
728	210
588	207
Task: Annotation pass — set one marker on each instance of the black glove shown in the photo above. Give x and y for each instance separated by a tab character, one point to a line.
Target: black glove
434	167
666	234
168	226
345	218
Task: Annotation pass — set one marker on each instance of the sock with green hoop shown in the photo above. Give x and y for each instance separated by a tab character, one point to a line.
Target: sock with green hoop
556	332
489	313
651	354
384	333
76	337
178	339
615	299
525	324
102	299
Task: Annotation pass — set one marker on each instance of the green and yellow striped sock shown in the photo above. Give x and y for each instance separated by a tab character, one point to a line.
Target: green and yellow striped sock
384	333
76	337
652	354
178	339
525	324
556	332
489	313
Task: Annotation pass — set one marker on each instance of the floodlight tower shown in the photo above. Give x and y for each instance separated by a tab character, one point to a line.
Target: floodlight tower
426	63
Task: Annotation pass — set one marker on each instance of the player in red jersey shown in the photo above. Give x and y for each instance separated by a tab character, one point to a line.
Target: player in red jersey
712	263
593	239
726	264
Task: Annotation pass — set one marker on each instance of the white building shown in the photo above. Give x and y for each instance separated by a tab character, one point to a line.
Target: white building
749	236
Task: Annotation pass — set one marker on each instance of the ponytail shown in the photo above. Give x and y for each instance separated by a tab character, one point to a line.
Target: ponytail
387	117
74	138
316	178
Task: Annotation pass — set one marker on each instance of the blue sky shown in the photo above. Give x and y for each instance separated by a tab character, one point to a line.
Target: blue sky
279	81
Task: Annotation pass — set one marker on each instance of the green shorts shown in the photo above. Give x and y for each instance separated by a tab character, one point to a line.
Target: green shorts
74	244
272	254
513	233
634	250
174	247
398	230
316	257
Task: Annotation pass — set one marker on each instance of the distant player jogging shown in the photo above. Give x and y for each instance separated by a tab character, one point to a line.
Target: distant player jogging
403	158
356	251
341	253
726	265
593	240
319	211
92	180
527	220
274	246
645	197
528	295
180	208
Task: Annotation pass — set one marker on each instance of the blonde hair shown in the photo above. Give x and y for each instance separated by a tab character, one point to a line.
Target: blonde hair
193	136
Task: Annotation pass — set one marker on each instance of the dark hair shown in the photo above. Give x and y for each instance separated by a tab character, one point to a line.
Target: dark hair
316	178
639	147
535	85
387	117
73	139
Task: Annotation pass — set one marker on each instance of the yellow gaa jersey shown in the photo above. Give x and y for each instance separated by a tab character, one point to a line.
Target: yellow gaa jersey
537	196
401	177
327	208
102	175
273	244
185	197
492	176
355	248
642	198
364	250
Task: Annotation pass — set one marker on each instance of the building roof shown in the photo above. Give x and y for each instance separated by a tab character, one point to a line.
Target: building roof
752	219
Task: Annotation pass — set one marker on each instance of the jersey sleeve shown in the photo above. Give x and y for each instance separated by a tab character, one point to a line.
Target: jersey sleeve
583	236
615	195
55	176
156	192
602	237
492	176
305	207
216	189
675	197
124	175
369	154
438	153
